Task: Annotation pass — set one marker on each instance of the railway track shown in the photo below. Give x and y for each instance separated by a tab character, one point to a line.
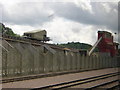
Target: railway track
108	85
108	81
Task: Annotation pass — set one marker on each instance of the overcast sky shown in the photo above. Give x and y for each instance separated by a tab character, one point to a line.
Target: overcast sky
65	21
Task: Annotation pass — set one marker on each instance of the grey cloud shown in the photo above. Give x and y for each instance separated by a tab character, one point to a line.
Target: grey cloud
100	17
34	14
26	13
75	30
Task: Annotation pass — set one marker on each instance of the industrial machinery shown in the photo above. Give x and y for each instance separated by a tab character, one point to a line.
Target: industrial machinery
40	35
105	44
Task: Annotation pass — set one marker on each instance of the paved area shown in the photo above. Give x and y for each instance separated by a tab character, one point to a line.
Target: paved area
36	83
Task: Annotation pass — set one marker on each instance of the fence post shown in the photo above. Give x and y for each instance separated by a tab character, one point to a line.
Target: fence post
82	62
61	61
92	63
4	63
104	59
87	62
68	61
118	61
102	62
98	62
55	62
65	60
72	60
78	61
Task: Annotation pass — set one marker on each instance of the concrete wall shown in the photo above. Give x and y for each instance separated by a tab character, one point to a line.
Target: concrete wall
20	59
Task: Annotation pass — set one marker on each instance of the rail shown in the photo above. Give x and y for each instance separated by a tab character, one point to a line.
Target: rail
80	81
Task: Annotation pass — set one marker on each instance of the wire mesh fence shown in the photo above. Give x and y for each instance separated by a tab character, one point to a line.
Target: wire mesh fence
20	59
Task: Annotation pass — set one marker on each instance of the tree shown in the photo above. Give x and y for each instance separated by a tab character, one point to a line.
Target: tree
6	30
2	27
76	45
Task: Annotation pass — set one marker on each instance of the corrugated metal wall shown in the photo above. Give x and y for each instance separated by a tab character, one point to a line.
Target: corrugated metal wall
25	59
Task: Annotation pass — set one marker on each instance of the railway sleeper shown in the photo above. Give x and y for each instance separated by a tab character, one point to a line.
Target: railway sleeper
78	82
105	85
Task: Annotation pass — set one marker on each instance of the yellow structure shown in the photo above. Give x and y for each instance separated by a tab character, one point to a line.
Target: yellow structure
37	34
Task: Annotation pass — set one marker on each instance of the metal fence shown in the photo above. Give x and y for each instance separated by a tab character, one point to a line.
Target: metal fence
20	59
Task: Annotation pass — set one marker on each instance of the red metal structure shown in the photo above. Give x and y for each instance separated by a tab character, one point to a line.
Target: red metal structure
106	45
